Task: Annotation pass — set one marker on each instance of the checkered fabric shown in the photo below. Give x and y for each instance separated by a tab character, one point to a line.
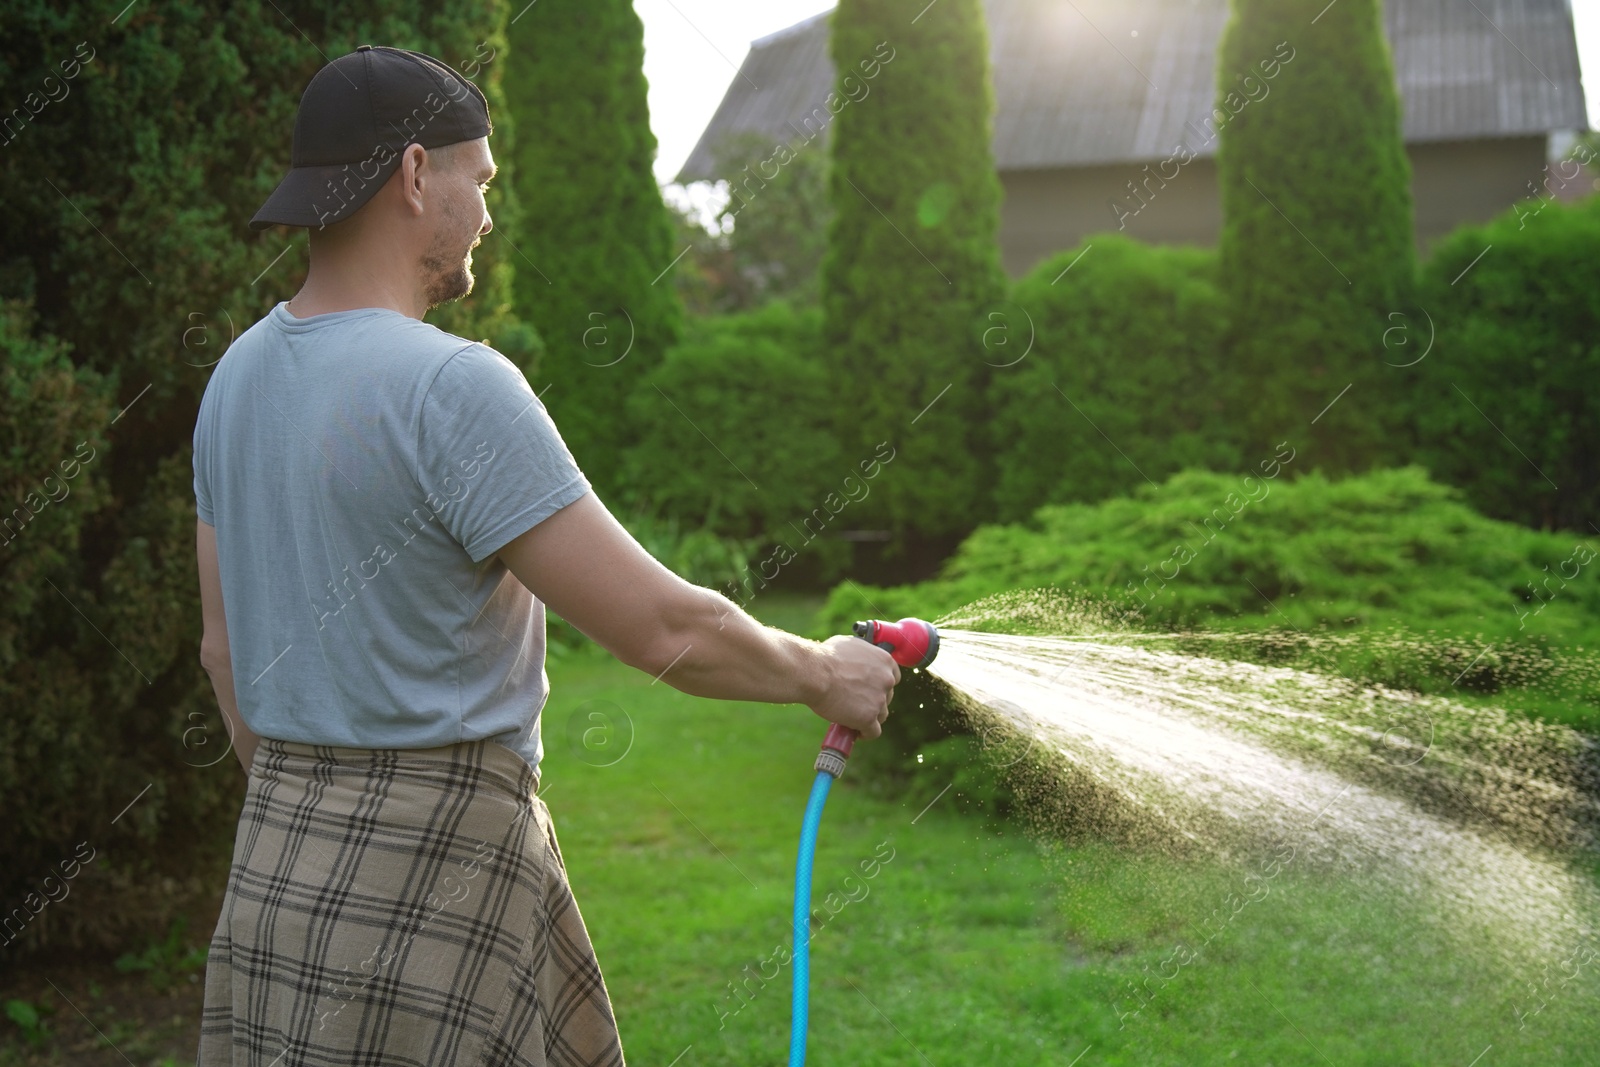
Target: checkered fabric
400	908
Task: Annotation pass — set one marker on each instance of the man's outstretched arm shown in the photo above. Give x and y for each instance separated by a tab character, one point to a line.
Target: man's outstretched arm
215	655
589	570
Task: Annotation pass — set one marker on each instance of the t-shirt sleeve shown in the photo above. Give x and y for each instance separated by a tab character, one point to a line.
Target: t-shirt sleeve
202	479
489	458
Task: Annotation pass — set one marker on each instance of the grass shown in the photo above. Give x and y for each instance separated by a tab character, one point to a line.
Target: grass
975	943
950	938
682	858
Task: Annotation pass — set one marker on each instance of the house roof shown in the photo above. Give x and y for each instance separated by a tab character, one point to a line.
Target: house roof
1466	69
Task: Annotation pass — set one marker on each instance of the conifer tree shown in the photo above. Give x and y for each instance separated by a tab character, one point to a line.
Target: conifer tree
595	239
913	265
1316	250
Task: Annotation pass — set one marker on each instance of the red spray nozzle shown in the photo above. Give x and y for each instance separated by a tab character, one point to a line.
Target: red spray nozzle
912	642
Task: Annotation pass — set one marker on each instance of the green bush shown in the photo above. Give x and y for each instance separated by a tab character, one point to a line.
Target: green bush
53	749
1122	379
735	436
692	552
1418	579
1505	405
1211	548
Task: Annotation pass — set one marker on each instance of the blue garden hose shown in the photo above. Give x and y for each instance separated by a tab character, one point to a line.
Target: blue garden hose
912	643
801	997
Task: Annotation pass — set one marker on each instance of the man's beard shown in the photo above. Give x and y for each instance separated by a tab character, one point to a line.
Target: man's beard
449	272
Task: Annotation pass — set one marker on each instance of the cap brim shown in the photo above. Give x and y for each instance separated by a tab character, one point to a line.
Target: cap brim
319	196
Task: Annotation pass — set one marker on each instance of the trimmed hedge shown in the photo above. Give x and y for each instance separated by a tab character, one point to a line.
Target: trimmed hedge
1388	556
1118	375
1506	404
1387	546
734	435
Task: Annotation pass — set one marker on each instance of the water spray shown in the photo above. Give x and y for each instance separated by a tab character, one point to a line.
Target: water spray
912	643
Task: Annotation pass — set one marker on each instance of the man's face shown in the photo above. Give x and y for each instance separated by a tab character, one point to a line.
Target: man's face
461	178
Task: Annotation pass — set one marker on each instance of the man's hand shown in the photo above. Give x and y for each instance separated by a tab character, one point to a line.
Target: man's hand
860	680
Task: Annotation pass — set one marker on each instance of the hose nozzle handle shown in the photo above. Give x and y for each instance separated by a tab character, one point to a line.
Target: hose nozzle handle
841	739
836	749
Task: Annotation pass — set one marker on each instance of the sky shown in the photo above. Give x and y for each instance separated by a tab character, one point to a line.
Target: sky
692	49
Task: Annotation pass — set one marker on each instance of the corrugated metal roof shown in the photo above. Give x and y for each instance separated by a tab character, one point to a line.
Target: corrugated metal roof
1081	82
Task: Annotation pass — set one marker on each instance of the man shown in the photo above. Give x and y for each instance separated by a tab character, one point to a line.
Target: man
384	510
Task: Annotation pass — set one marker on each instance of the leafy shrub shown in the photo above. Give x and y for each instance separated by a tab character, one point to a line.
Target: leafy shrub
1387	553
165	962
30	1020
734	434
1505	405
1390	545
1124	349
692	552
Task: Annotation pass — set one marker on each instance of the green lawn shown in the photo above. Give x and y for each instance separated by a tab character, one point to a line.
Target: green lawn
971	943
961	941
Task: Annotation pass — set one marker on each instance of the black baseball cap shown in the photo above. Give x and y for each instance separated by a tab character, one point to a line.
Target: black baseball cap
356	117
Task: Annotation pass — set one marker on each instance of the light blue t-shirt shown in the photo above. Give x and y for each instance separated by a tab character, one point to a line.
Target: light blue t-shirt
361	468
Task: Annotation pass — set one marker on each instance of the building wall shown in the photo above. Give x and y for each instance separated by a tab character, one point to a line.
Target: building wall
1453	182
1046	211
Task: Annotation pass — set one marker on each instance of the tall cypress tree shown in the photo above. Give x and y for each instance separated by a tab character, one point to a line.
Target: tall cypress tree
1316	248
596	237
913	261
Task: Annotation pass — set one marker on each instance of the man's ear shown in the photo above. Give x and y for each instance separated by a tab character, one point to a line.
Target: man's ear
412	177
